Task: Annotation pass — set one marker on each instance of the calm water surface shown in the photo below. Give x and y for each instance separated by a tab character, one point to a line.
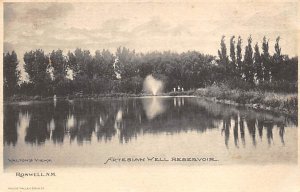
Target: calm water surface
88	132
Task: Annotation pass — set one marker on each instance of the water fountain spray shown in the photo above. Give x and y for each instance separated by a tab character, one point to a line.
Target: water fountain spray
153	86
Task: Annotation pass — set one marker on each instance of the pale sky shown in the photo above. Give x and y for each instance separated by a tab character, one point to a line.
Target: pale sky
146	26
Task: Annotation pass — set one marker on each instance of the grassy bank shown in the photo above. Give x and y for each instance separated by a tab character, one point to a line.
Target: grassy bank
279	102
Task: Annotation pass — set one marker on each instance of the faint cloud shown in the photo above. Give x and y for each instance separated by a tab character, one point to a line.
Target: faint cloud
154	26
181	29
113	25
46	13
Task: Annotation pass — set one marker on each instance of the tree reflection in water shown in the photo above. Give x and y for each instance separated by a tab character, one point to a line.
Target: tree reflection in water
10	125
236	131
80	120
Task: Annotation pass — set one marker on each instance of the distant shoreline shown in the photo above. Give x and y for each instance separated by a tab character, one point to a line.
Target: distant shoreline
21	98
278	106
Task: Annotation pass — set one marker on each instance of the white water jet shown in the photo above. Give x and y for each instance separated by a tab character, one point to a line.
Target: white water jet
151	85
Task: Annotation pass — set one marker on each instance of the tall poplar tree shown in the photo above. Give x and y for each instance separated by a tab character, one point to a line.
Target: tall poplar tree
277	61
233	65
248	62
258	65
265	56
223	58
239	57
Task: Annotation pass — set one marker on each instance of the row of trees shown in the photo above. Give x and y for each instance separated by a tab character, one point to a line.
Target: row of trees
125	70
257	67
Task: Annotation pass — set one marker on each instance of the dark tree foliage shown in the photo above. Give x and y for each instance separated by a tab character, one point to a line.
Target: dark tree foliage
103	72
127	62
248	67
98	73
59	65
239	57
102	64
11	73
223	58
233	64
277	61
36	65
273	73
266	59
289	70
258	65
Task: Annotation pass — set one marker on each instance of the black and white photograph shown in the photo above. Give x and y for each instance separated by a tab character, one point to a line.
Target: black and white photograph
142	84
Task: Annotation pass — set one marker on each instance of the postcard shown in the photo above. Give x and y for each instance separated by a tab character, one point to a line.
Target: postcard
150	96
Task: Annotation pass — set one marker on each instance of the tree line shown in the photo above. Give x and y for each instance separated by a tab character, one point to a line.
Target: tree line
125	70
258	68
